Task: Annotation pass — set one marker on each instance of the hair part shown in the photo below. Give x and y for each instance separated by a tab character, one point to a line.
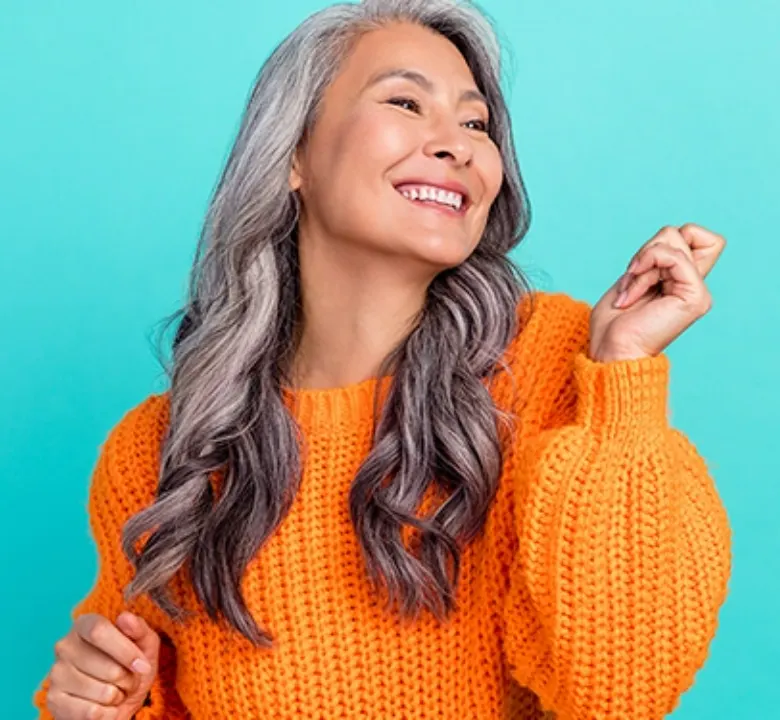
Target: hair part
237	336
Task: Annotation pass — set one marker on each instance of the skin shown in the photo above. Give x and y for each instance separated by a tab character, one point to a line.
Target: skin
661	294
103	670
367	253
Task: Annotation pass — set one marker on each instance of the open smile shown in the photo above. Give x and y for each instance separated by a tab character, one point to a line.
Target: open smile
451	200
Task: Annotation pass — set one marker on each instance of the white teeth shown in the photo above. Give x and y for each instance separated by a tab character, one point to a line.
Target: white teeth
444	197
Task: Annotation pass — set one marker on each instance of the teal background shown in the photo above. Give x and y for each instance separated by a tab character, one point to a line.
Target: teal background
116	119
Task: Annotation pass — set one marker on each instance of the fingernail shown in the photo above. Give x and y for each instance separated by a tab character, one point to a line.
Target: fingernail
633	265
141	666
621	299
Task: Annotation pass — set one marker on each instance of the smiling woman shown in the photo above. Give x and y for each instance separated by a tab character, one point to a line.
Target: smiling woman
408	95
389	480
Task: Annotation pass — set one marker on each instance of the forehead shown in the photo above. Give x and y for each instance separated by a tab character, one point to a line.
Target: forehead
403	45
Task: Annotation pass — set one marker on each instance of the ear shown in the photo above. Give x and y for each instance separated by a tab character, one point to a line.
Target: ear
296	178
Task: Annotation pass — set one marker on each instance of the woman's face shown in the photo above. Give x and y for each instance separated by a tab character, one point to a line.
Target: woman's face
399	162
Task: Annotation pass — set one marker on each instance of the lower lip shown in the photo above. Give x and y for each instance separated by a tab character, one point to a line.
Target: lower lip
446	209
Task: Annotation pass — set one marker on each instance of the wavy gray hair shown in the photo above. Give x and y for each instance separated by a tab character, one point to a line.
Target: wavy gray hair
237	337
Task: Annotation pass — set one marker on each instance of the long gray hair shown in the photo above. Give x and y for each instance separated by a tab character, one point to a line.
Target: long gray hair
237	337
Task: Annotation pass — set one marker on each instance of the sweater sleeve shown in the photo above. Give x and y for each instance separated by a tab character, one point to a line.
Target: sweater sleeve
113	497
623	549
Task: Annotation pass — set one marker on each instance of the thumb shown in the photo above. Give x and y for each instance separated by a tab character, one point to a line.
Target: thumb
138	630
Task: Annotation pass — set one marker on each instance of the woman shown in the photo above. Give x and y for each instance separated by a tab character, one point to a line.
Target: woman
389	480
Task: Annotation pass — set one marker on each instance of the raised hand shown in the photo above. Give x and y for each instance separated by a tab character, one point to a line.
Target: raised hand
662	294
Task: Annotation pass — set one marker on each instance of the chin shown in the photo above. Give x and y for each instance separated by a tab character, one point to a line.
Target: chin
441	253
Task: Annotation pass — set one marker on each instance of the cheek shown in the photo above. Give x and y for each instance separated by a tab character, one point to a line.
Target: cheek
352	159
376	143
349	167
492	171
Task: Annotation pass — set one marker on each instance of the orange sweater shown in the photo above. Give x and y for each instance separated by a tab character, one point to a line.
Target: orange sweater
593	593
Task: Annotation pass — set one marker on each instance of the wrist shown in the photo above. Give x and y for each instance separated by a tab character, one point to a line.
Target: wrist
608	356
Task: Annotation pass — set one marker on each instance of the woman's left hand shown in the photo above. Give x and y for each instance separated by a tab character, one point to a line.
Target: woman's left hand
664	295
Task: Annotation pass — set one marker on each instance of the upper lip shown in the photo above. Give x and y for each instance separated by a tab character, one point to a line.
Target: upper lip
450	185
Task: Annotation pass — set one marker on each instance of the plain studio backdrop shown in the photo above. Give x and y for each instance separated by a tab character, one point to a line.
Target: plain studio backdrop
116	119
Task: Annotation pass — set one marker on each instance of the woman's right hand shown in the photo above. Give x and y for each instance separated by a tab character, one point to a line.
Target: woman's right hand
103	670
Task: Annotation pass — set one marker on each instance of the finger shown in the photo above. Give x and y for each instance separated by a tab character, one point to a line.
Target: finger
99	632
625	280
636	286
667	235
68	707
145	638
657	279
706	246
71	680
87	659
670	265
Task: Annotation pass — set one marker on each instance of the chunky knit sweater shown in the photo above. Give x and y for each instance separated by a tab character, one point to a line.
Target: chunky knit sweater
593	592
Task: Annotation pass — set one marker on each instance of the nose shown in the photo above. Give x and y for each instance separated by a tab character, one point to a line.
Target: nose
449	141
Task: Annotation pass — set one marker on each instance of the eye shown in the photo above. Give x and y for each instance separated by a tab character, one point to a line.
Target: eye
401	101
480	125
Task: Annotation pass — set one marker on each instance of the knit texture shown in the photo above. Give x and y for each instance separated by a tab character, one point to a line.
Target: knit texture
593	592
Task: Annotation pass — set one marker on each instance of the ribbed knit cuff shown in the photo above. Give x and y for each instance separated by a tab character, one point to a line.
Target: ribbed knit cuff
619	395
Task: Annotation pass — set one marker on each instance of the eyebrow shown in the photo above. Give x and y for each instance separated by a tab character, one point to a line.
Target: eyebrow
423	82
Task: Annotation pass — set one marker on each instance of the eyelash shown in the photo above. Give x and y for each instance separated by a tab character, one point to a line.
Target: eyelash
483	126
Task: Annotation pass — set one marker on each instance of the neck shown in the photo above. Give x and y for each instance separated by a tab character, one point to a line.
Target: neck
355	310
